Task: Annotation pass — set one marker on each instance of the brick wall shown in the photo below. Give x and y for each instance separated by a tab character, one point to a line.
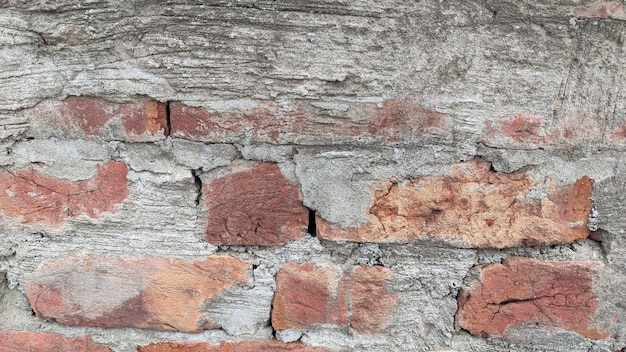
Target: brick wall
319	176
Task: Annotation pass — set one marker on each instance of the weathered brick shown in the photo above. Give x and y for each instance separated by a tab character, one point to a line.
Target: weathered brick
601	10
80	117
254	206
533	131
472	207
18	341
313	294
404	120
151	293
524	291
246	346
35	198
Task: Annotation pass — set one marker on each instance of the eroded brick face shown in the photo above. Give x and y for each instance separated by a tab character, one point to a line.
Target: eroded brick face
313	294
574	128
17	341
472	207
524	291
601	10
405	119
246	346
151	293
34	198
80	117
254	206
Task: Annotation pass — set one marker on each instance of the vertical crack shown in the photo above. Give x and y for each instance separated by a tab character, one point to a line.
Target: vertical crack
312	228
168	122
198	182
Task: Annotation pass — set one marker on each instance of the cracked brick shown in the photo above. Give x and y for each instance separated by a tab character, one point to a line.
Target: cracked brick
254	206
34	198
525	291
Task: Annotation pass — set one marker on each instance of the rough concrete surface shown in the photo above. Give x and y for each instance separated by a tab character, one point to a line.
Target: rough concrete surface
336	99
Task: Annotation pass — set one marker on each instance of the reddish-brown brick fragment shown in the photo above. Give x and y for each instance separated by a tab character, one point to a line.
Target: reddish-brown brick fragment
401	120
18	341
152	293
35	198
601	10
254	206
524	291
306	295
246	346
472	207
311	294
83	116
190	122
370	299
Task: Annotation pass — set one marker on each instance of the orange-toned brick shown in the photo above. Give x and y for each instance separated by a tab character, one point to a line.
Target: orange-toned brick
18	341
472	207
312	294
151	293
246	346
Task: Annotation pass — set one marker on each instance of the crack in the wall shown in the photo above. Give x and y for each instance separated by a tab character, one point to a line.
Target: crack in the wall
168	122
312	227
198	183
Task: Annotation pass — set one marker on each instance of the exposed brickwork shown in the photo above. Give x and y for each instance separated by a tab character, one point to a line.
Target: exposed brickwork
524	291
247	346
254	206
601	10
18	341
35	198
472	207
533	131
151	293
312	294
79	117
404	119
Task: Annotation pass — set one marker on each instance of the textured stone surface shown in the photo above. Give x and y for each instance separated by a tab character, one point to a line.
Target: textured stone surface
524	291
254	206
473	207
14	341
349	98
163	294
261	346
35	198
309	295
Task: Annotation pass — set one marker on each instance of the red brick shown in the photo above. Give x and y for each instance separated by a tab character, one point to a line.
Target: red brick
151	293
524	291
404	119
18	341
254	206
247	346
78	117
601	10
35	198
311	294
472	207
